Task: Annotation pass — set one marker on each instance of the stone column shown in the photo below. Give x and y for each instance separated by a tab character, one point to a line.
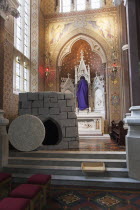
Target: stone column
134	74
88	4
133	142
125	80
1	61
57	6
72	5
4	144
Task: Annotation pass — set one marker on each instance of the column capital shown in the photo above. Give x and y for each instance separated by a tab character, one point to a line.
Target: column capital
125	2
134	118
125	47
117	2
9	7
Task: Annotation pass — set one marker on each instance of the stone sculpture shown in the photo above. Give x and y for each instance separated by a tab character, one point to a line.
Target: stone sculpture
26	133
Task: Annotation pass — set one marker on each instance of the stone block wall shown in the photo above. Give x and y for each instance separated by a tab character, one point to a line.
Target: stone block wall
57	106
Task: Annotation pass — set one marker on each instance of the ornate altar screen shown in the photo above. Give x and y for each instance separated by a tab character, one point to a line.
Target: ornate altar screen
92	119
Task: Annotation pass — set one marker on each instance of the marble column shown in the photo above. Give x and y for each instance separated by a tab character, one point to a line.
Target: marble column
134	74
133	142
4	144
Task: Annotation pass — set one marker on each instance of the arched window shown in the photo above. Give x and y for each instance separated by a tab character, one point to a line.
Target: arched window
95	4
21	74
80	5
65	5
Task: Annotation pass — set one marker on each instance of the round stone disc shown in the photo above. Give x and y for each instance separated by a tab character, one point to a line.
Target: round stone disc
26	133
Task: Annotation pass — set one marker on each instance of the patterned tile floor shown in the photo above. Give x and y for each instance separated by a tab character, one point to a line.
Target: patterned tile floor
88	198
91	198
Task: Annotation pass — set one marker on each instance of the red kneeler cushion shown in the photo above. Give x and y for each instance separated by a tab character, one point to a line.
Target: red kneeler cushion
4	176
14	203
25	191
39	179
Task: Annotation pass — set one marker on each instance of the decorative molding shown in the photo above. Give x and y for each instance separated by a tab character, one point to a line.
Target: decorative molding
83	12
34	44
82	70
67	85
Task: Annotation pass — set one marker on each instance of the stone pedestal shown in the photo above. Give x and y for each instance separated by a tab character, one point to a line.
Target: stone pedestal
4	146
133	142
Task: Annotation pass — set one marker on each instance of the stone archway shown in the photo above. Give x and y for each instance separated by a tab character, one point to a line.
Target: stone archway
53	133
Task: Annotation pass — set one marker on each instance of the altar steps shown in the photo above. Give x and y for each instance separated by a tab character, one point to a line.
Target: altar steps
71	154
64	162
65	167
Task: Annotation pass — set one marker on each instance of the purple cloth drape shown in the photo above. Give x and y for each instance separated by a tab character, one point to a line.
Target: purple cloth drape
82	94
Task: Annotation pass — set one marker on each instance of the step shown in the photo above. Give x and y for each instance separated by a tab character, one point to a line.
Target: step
116	163
64	170
70	154
93	137
116	182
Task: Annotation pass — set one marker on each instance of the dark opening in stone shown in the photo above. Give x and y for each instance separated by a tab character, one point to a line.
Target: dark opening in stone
53	133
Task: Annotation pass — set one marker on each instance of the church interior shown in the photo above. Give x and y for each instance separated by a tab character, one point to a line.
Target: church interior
69	95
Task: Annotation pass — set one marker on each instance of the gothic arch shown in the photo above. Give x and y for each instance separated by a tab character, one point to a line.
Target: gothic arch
95	46
86	34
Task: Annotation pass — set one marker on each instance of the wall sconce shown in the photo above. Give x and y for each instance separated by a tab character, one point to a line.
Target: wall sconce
113	72
47	72
114	68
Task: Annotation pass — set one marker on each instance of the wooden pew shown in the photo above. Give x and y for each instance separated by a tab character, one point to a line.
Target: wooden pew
118	132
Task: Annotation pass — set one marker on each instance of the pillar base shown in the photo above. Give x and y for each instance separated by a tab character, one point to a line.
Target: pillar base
133	143
4	145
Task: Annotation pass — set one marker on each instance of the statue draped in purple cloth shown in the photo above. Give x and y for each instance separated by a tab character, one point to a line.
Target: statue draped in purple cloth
82	94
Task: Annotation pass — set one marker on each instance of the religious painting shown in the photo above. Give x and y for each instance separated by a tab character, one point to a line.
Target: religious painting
57	31
103	26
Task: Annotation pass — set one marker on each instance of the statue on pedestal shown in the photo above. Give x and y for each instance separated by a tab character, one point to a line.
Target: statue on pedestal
82	94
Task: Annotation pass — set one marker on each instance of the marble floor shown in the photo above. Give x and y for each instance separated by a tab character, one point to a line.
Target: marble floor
99	144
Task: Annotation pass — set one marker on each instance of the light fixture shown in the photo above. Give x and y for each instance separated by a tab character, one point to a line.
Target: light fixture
113	72
47	72
114	68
